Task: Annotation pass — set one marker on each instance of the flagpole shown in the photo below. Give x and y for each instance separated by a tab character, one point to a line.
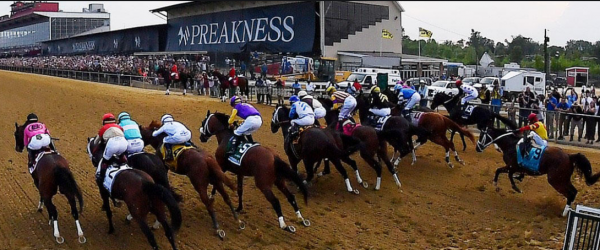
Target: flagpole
380	43
419	60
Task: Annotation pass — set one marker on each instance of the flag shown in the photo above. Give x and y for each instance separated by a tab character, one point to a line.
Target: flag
424	33
386	34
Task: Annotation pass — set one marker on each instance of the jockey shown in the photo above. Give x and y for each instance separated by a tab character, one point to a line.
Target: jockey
252	121
398	87
131	129
411	97
174	72
111	134
36	137
177	133
347	103
320	111
306	115
379	103
470	93
540	135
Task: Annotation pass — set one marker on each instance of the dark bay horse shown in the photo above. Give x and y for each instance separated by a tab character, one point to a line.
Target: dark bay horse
437	125
554	162
315	144
202	169
142	196
261	162
52	174
242	83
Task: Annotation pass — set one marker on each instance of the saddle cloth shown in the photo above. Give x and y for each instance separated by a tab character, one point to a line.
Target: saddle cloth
415	117
38	157
349	127
111	173
177	150
468	111
532	160
378	122
239	153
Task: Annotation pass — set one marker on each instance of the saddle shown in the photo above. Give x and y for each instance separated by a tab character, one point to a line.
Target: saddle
529	156
349	126
38	157
239	152
301	129
468	110
176	150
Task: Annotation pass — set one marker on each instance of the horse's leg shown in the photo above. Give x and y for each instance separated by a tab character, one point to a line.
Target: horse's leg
276	205
141	220
442	141
294	163
200	183
383	154
340	168
370	159
462	137
352	164
106	207
240	183
280	183
498	172
512	181
326	167
159	211
53	215
310	174
451	144
75	215
221	189
563	185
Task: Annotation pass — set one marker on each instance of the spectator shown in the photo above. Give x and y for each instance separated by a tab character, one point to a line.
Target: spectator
551	104
263	71
512	111
540	109
243	68
260	90
280	88
310	87
597	106
423	92
212	86
590	122
576	121
563	107
297	87
206	84
496	97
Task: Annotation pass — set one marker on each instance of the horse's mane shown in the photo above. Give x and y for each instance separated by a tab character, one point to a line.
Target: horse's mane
325	101
154	124
223	118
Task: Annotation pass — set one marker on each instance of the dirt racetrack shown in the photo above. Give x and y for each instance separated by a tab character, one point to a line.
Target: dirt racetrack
437	207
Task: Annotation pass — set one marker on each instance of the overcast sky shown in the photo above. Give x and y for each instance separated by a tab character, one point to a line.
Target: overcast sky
447	20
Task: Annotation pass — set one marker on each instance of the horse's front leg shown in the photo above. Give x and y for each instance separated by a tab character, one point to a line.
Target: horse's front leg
240	182
512	181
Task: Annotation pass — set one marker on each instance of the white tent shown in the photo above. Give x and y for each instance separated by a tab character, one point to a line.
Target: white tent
486	60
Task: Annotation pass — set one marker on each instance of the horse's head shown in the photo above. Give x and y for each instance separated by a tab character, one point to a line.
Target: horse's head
490	136
19	133
439	99
280	115
147	137
91	147
213	124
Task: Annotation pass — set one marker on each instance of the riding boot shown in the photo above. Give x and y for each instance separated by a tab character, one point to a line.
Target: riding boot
169	152
317	123
406	115
31	157
340	125
249	138
525	147
236	140
191	143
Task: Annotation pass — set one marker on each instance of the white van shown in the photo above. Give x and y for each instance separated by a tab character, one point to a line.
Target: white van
367	77
516	82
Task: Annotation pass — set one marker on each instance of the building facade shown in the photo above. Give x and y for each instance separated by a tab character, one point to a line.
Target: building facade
31	23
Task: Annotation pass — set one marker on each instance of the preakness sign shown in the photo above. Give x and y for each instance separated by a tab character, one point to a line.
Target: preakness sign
281	28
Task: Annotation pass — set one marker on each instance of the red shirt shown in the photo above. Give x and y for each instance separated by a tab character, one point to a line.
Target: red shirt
107	126
174	68
232	72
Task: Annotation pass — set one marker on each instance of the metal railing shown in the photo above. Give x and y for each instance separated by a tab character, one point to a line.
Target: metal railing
583	229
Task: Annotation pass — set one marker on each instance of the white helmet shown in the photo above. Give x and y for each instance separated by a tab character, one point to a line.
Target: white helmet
302	93
166	118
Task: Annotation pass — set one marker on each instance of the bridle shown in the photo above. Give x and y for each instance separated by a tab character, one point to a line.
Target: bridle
487	136
204	129
275	118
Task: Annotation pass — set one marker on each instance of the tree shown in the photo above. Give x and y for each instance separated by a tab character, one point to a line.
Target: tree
516	54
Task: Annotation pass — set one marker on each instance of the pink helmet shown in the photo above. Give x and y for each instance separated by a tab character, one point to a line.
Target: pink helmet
405	87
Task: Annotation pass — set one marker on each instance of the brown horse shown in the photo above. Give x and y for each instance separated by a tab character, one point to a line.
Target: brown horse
260	162
554	162
242	83
202	169
316	144
142	196
52	174
437	125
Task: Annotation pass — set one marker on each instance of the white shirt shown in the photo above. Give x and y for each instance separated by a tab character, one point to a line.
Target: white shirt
316	103
469	89
302	109
310	87
171	128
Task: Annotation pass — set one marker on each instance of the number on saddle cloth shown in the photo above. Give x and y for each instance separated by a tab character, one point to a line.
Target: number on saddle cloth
240	152
532	159
111	173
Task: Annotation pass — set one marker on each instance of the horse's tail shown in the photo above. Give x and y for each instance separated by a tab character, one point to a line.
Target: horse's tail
158	191
583	164
461	130
284	170
351	144
511	124
67	184
216	171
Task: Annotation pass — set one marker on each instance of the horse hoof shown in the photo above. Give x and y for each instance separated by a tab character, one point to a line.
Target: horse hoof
82	239
221	233
450	165
356	191
242	225
60	240
40	210
365	184
461	162
290	229
306	223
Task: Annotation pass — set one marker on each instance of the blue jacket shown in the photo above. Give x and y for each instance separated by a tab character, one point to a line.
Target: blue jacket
296	86
563	106
131	129
407	93
549	106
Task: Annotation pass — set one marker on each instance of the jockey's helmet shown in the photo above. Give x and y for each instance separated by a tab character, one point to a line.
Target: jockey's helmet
123	116
375	89
294	99
235	100
302	94
532	118
330	90
166	118
405	87
458	83
32	117
108	118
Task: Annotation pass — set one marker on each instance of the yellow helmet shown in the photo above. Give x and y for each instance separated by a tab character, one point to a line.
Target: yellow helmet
375	89
330	90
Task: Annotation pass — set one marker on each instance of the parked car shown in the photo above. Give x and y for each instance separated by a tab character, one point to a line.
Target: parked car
471	80
448	87
560	82
487	82
415	81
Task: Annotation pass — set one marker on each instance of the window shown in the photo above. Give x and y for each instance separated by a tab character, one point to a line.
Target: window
530	79
538	79
368	80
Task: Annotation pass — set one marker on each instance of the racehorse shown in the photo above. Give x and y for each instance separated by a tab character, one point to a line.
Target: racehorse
142	196
242	82
375	144
262	163
50	175
554	162
202	169
437	125
316	144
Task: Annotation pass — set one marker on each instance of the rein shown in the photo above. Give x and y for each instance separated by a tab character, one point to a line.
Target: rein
204	129
275	118
495	139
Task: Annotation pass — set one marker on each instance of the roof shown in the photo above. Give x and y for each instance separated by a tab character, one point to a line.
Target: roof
193	3
74	14
578	68
40	16
105	32
406	58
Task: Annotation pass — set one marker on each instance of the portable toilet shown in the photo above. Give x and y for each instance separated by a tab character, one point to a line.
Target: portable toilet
577	76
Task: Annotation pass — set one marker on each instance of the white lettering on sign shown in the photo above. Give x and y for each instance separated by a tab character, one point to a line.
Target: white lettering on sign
273	29
84	46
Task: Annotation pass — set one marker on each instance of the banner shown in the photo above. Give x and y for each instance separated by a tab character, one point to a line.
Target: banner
280	28
425	33
145	39
386	34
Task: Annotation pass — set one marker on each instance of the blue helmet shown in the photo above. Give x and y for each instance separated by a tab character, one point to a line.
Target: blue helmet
294	99
235	100
123	116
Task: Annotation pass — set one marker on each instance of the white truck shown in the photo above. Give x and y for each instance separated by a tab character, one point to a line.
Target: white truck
367	77
448	87
516	82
